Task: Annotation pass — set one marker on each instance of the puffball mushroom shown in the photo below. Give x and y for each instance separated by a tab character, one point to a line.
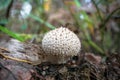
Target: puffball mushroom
60	44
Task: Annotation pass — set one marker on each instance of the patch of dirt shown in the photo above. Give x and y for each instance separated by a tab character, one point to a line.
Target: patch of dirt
78	68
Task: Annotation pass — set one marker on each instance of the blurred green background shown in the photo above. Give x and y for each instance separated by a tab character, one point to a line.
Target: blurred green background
96	22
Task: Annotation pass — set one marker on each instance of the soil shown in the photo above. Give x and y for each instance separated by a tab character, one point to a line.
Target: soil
83	67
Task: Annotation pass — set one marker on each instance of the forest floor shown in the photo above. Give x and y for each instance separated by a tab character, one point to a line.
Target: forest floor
86	67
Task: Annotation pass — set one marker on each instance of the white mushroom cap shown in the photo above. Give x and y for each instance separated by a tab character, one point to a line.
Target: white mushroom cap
61	42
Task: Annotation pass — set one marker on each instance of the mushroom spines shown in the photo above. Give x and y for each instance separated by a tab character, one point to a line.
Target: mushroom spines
61	41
